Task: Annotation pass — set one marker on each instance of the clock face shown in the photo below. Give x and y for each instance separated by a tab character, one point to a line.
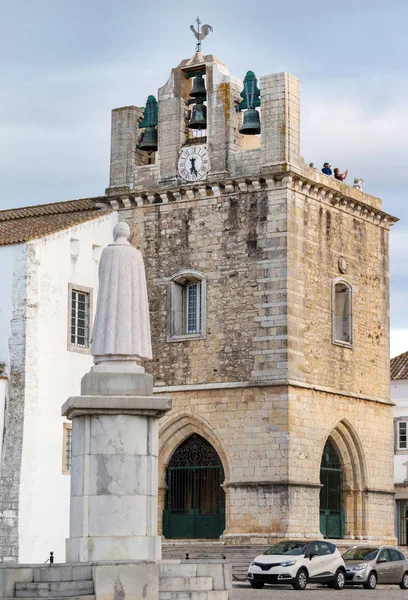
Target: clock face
193	163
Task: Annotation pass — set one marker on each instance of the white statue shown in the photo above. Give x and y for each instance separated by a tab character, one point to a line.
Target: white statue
121	332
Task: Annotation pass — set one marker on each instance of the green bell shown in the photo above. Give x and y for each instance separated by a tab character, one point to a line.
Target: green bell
199	117
251	124
198	87
149	140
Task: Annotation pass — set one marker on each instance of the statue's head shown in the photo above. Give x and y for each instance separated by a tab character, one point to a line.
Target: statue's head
121	231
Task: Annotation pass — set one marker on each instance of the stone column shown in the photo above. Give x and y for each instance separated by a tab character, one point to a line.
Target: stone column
114	471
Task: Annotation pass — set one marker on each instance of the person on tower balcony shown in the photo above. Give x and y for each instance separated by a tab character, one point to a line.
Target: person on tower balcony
327	169
340	176
359	184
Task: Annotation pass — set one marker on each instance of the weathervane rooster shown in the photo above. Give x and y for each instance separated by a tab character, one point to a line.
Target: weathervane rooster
200	34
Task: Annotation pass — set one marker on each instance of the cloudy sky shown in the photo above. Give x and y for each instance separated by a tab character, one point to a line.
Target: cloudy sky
66	63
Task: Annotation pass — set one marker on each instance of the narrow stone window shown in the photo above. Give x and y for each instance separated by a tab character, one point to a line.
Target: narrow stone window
402	435
79	311
186	309
193	314
66	448
342	314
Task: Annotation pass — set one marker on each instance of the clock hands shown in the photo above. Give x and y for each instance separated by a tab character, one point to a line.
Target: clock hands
193	169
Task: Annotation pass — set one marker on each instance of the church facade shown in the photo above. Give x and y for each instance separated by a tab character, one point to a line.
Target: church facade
268	286
269	298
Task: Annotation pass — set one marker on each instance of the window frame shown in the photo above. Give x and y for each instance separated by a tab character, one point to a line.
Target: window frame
177	294
335	340
400	422
65	435
84	290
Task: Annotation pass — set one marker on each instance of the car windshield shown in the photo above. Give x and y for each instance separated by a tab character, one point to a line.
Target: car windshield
360	554
287	548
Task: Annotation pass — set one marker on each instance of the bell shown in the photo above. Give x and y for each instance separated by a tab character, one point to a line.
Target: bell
251	124
198	87
149	141
199	117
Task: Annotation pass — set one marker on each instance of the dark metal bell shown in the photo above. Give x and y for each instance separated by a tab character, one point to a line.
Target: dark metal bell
251	124
198	87
199	117
149	141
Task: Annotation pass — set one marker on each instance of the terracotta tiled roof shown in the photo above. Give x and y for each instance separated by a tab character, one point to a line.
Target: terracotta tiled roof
399	366
19	225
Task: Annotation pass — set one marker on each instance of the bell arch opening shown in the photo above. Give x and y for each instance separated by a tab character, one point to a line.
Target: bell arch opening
195	499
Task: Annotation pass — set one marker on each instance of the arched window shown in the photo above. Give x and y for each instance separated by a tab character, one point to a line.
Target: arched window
342	313
186	310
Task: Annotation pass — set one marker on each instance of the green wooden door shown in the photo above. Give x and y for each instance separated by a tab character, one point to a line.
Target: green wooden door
331	492
195	499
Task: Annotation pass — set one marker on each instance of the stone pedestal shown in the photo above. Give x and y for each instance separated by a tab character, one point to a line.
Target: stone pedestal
114	485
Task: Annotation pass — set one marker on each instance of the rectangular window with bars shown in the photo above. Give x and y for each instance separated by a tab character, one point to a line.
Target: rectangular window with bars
402	435
80	301
186	307
66	448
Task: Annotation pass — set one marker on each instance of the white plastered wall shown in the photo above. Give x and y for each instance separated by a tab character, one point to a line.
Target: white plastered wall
399	395
53	373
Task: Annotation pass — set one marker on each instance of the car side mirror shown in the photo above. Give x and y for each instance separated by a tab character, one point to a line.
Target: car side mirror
381	560
311	555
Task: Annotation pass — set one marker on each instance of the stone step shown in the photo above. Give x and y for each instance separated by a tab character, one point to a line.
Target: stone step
185	584
209	595
62	573
54	589
92	597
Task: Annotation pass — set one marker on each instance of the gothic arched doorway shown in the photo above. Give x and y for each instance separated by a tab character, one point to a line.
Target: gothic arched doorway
331	494
195	499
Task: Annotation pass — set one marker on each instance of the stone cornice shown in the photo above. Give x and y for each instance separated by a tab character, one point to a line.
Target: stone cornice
348	199
197	387
196	191
328	192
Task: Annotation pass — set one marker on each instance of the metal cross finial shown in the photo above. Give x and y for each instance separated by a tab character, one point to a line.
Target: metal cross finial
200	33
198	47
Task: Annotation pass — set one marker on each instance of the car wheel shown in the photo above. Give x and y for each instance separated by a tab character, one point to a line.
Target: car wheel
371	582
300	581
339	580
257	585
404	581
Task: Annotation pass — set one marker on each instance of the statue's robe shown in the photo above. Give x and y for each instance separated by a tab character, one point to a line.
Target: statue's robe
122	325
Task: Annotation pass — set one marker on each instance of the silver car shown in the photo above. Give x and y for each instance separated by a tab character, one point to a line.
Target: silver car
368	566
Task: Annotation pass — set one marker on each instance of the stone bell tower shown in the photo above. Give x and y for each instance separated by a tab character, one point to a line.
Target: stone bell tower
268	285
230	153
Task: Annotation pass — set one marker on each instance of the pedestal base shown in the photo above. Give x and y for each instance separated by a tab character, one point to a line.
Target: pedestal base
114	469
90	549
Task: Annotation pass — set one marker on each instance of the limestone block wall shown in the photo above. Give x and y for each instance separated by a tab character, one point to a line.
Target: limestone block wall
248	427
271	440
125	134
280	113
362	433
319	233
12	339
238	242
